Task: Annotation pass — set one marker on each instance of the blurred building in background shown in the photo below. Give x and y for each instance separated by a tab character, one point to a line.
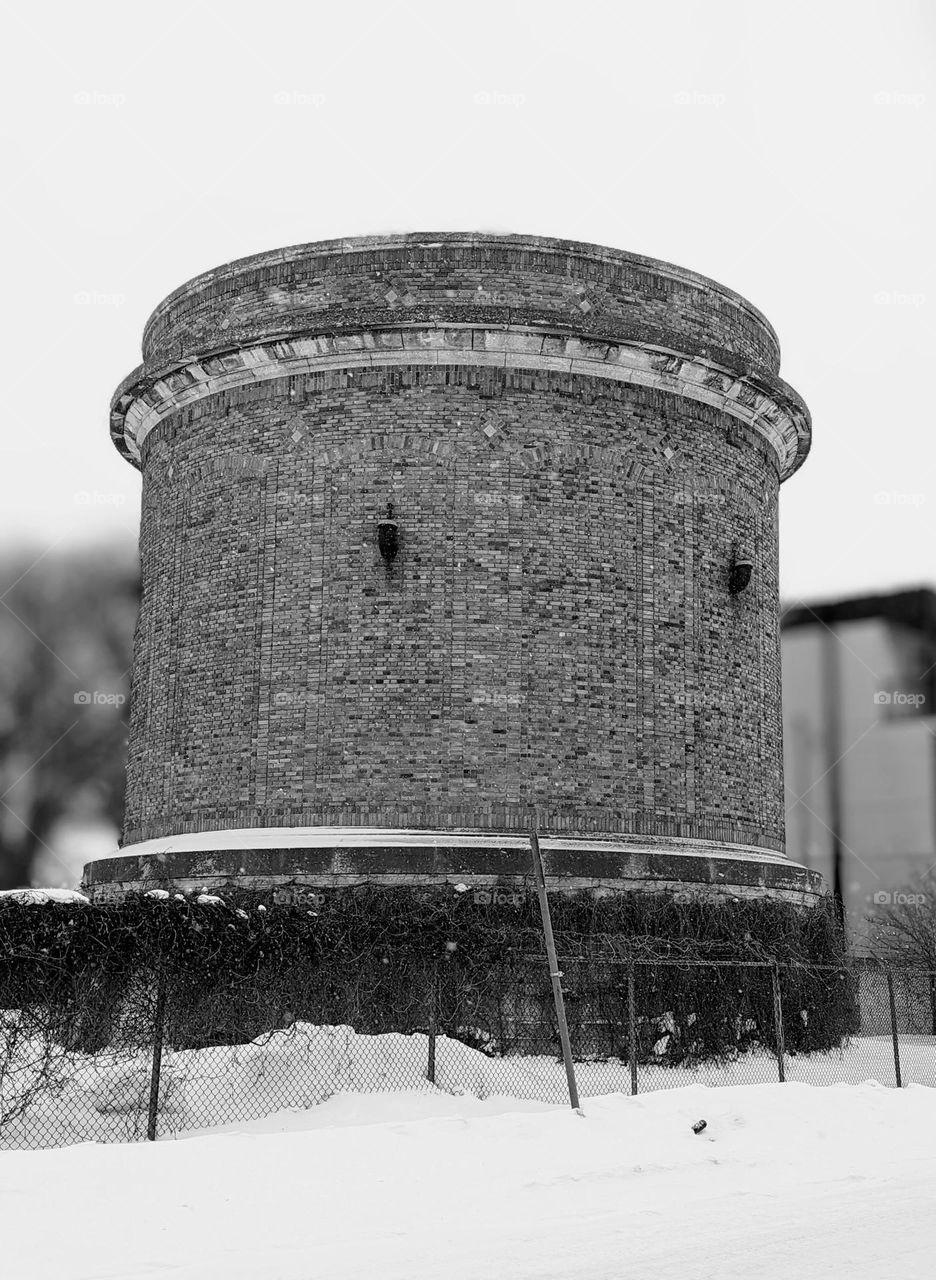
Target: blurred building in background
859	695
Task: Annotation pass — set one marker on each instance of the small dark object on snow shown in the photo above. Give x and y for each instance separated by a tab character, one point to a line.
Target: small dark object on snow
698	1126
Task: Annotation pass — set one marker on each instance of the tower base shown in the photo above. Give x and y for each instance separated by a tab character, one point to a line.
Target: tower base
283	861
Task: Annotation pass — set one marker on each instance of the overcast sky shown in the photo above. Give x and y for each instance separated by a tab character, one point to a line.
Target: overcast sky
787	151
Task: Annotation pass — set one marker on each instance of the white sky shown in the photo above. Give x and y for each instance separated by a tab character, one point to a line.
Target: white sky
144	144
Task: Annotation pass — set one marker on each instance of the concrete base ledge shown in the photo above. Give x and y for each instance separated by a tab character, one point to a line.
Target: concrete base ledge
428	859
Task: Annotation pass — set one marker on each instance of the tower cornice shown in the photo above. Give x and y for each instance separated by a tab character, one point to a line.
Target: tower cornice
763	402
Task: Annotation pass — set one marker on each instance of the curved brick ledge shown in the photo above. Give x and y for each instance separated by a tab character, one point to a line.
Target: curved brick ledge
571	866
764	404
456	276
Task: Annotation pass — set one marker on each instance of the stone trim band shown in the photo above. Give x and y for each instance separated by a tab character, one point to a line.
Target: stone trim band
309	860
774	412
379	837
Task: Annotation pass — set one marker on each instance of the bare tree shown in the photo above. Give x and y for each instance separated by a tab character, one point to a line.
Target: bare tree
903	928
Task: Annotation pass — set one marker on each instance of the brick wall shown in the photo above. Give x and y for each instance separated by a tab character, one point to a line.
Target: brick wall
556	630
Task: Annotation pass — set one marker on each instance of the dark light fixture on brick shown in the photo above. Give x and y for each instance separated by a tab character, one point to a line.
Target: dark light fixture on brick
388	535
740	574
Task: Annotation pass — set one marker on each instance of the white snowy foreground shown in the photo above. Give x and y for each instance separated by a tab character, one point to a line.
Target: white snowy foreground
791	1181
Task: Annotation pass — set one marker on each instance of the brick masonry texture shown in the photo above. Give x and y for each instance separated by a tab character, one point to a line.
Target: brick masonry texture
555	638
469	279
556	628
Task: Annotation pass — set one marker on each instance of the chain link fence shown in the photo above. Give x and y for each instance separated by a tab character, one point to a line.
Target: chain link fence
164	1059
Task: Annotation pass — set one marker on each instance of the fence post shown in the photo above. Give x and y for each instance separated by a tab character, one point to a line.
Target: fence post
778	1021
433	1023
893	1015
632	1026
932	994
159	1020
554	974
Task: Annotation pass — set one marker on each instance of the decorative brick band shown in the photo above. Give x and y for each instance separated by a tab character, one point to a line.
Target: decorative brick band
773	412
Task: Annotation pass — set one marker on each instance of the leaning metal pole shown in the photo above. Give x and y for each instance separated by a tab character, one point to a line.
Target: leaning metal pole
554	974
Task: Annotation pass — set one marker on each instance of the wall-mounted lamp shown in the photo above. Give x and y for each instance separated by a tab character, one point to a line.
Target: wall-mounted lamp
740	574
388	535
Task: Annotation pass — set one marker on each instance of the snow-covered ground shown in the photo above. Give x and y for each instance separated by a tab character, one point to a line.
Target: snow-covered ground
105	1098
785	1181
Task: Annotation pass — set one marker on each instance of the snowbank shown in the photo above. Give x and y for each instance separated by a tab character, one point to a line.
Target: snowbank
38	896
105	1098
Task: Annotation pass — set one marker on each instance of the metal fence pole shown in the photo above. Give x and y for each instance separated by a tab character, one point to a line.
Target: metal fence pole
159	1019
893	1015
433	1023
778	1022
554	974
632	1026
932	995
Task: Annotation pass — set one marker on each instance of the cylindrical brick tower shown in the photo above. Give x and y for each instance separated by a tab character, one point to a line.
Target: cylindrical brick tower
444	535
